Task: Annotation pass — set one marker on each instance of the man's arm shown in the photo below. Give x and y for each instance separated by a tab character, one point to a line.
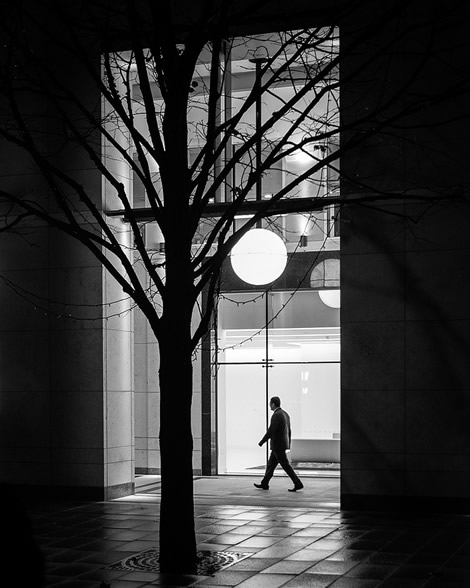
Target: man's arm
271	432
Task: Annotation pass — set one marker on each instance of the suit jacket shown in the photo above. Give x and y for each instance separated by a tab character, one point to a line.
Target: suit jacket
279	431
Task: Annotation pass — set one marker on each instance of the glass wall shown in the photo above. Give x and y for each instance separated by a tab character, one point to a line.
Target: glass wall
274	133
311	124
297	357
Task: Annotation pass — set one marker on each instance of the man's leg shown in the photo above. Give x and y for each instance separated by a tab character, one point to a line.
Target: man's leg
286	466
270	467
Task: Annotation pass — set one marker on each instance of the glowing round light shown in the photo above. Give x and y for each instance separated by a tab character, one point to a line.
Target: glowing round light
259	257
331	298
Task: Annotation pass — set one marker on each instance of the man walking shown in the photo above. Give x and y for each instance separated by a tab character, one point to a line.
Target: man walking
280	434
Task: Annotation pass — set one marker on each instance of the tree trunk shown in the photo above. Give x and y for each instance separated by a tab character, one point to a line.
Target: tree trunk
177	535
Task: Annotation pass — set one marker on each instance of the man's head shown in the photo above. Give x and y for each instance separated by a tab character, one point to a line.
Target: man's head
275	402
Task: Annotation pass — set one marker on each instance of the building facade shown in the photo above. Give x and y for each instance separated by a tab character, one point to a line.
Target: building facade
78	377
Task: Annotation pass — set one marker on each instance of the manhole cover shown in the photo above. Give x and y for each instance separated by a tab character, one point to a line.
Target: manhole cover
209	562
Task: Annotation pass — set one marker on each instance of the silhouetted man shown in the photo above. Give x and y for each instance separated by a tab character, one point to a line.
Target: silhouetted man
280	434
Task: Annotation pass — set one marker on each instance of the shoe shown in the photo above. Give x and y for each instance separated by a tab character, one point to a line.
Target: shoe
295	488
261	487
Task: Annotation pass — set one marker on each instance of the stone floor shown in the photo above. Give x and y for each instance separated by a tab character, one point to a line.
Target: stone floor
256	539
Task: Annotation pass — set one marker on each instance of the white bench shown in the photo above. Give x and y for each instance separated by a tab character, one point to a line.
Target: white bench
316	450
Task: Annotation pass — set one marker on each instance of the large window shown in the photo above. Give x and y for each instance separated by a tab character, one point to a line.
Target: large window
296	357
274	345
310	124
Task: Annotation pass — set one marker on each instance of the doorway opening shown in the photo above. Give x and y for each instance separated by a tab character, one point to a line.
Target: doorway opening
282	344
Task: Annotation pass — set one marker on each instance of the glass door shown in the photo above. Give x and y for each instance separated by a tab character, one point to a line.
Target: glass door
241	381
298	359
242	419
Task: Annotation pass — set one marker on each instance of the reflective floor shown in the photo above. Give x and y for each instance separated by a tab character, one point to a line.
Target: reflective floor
321	470
286	539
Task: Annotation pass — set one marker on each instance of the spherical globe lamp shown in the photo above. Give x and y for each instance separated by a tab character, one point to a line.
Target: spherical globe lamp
259	257
331	298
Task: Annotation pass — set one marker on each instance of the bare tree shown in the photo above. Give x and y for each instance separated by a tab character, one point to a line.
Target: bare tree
150	104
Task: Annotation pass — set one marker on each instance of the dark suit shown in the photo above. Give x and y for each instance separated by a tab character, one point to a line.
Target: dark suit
279	432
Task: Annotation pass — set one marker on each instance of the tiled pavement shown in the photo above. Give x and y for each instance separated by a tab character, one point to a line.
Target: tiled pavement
287	539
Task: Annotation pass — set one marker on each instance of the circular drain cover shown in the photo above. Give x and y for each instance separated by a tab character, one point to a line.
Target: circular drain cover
209	562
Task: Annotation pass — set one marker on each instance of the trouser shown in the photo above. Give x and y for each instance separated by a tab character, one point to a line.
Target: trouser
279	457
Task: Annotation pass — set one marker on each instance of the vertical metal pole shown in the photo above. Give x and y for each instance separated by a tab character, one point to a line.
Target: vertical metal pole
258	63
215	410
227	98
266	316
219	163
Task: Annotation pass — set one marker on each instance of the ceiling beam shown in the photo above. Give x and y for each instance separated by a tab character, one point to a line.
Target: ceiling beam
284	206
